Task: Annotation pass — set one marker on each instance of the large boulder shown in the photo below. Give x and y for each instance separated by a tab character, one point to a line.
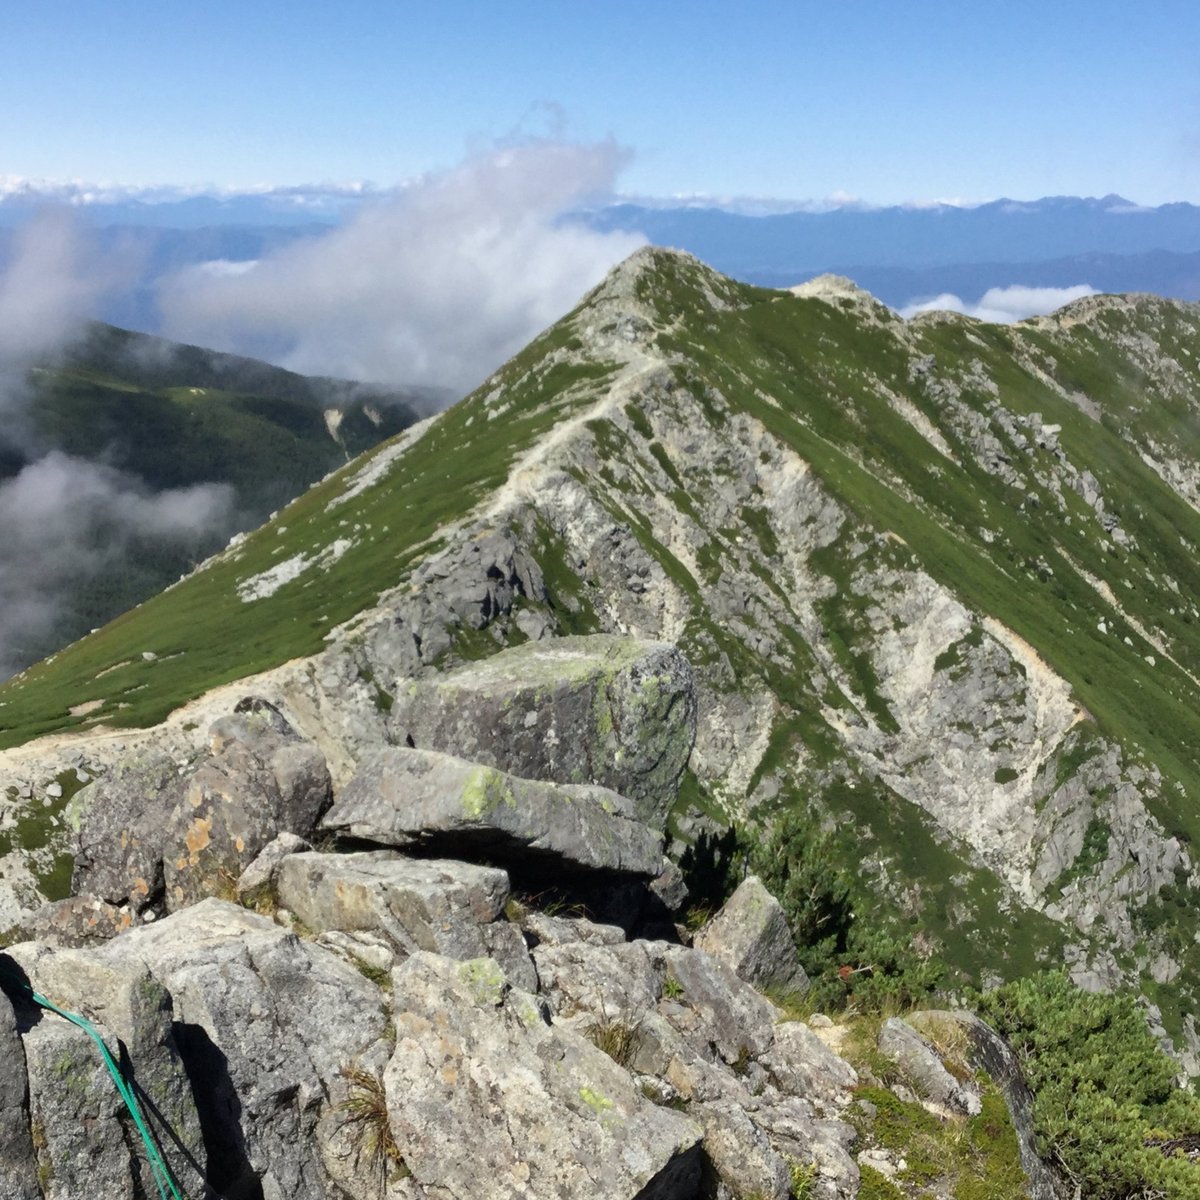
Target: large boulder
489	1100
266	1024
155	835
751	935
740	1154
608	710
417	901
446	805
74	1107
260	780
119	846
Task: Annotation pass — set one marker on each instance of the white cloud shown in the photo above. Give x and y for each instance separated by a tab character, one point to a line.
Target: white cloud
438	283
226	266
1003	305
48	288
65	521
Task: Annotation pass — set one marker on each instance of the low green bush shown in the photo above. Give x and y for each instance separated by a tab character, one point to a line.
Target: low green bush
850	961
1105	1099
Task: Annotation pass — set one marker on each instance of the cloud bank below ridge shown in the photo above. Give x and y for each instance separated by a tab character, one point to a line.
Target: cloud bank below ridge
1003	305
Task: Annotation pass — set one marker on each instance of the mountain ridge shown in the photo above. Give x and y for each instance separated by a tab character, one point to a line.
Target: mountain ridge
885	547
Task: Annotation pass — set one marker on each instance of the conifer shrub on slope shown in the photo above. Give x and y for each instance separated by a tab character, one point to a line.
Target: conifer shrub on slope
1105	1102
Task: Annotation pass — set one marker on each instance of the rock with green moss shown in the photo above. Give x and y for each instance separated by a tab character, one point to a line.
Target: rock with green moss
608	710
489	1100
446	805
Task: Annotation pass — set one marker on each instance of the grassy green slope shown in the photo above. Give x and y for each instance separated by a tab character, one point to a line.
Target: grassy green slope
204	634
170	416
822	362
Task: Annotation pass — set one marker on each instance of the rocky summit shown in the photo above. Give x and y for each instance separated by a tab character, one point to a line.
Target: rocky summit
371	841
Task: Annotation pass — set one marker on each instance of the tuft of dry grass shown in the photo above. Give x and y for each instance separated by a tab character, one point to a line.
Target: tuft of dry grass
950	1039
365	1109
616	1037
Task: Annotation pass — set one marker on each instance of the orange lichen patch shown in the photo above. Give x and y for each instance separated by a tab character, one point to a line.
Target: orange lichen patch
199	837
140	888
239	844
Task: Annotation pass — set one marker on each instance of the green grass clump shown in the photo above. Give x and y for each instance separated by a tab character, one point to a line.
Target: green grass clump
874	1185
616	1036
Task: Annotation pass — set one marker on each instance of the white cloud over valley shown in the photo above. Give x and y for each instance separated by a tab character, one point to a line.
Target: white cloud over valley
439	283
1002	305
65	521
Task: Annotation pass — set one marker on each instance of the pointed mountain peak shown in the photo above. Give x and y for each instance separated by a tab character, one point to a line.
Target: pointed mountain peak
667	281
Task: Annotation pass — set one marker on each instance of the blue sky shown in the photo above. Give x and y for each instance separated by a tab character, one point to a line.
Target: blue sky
880	100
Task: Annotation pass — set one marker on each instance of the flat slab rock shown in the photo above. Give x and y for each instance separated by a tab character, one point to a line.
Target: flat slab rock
451	908
610	710
440	803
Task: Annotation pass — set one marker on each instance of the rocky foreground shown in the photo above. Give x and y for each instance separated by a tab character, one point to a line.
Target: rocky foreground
459	978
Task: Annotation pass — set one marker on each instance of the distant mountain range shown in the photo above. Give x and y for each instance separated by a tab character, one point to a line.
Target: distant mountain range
902	254
942	235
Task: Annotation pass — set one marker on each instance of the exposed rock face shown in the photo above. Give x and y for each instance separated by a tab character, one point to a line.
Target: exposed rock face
488	1097
267	1023
880	661
71	1095
767	1092
252	1042
442	804
751	935
607	710
923	1068
76	921
153	834
17	1165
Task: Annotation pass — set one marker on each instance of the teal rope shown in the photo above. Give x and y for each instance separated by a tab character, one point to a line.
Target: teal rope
158	1167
